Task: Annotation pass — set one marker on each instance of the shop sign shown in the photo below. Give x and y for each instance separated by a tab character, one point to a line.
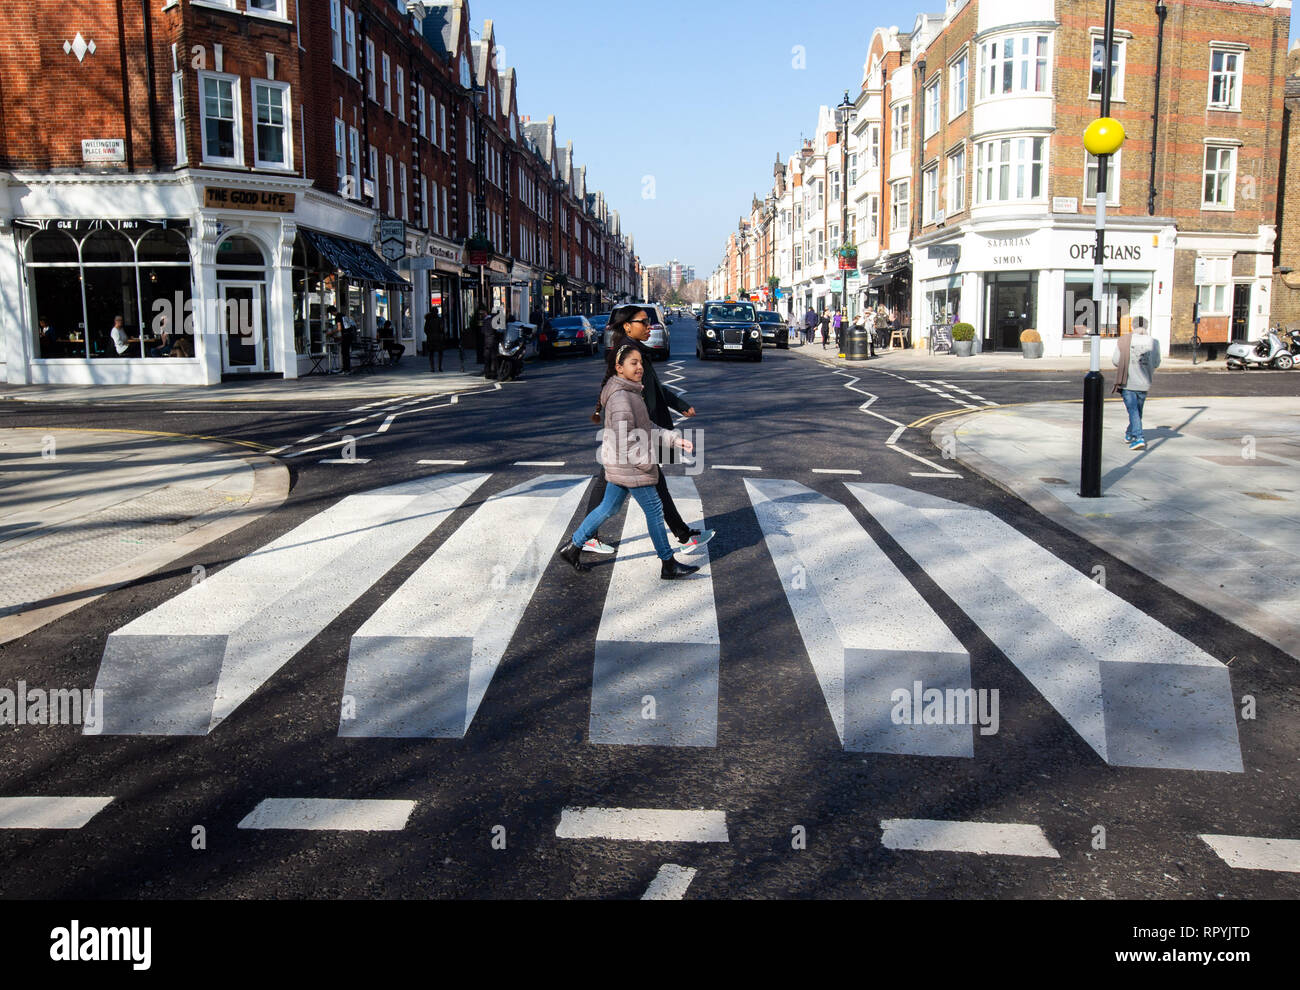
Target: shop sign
217	198
392	239
103	150
1086	251
1009	252
944	254
548	290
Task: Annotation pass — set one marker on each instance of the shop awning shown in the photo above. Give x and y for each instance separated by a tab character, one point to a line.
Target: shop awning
354	259
880	281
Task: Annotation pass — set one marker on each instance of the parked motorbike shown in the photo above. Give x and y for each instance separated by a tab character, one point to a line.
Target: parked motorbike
1270	351
510	351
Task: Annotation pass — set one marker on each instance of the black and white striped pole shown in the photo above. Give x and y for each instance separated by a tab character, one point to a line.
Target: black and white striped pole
1102	139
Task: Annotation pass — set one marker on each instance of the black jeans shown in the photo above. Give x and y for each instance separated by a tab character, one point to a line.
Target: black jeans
672	518
435	355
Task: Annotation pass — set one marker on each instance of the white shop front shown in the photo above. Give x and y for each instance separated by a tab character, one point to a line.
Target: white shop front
1005	281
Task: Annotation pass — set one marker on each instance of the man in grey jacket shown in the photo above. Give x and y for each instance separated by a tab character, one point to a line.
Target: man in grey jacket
1137	356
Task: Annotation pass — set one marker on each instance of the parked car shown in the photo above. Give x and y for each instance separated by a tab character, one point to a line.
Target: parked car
600	323
729	329
562	334
774	330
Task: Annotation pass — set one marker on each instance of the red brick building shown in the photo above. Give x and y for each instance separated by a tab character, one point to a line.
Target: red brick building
233	169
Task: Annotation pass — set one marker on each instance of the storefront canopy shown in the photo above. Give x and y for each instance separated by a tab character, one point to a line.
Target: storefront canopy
880	280
354	259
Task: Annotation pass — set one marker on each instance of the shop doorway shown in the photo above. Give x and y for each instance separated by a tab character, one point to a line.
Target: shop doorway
1010	304
243	341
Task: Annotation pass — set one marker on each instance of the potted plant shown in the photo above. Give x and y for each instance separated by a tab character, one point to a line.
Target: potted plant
1031	344
963	339
848	255
478	247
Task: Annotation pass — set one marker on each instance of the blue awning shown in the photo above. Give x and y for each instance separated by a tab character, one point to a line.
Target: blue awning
354	259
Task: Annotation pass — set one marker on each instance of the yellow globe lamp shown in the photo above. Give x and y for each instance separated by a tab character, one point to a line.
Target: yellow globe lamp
1104	136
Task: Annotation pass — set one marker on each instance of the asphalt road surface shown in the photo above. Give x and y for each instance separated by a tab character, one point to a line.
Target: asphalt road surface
415	698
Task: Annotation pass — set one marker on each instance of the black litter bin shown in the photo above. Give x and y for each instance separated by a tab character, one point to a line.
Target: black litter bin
856	347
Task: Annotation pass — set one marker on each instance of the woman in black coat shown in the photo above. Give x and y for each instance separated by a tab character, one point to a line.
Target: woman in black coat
632	325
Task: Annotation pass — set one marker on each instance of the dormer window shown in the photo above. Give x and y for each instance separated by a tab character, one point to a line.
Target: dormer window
464	72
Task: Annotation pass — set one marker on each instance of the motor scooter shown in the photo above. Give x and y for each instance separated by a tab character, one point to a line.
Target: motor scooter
1270	351
510	351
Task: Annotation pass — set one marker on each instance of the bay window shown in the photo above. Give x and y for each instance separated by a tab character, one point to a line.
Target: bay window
1015	64
1010	169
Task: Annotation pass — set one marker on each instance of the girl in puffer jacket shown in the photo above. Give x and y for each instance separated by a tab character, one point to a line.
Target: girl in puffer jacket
627	453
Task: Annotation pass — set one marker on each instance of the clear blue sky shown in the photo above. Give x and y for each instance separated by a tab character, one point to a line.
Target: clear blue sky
700	95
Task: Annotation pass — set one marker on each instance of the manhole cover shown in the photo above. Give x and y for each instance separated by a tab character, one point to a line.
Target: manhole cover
1054	481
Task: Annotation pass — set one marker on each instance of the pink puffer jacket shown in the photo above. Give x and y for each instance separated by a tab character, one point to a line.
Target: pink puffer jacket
629	440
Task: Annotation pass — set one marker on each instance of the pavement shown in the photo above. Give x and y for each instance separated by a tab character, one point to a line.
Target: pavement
83	512
410	378
1208	509
919	360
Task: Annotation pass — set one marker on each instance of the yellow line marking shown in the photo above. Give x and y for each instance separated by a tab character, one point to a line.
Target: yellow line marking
146	433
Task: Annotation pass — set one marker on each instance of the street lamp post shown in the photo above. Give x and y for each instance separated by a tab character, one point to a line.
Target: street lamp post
1102	139
843	111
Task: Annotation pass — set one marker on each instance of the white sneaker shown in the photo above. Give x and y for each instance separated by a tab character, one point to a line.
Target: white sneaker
595	546
696	543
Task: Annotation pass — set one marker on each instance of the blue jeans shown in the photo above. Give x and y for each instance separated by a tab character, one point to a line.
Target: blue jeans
1133	402
615	495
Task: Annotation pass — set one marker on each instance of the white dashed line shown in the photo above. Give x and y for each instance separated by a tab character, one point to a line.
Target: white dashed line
345	460
383	428
980	838
670	883
642	825
539	463
330	814
430	463
49	812
835	471
1248	852
736	467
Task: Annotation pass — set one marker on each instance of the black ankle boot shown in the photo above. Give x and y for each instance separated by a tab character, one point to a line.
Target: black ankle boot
671	569
573	555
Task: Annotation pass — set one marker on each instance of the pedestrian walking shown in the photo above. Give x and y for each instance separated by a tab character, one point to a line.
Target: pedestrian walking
631	325
1137	356
826	327
794	329
435	338
492	327
837	323
809	325
628	443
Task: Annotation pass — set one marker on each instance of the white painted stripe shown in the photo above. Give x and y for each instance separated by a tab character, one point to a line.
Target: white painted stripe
185	666
670	883
345	460
371	405
352	422
736	467
893	437
835	471
49	812
656	683
1246	852
1135	691
539	463
330	814
442	462
455	400
421	664
867	631
643	825
934	474
250	412
314	436
331	446
383	427
980	838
